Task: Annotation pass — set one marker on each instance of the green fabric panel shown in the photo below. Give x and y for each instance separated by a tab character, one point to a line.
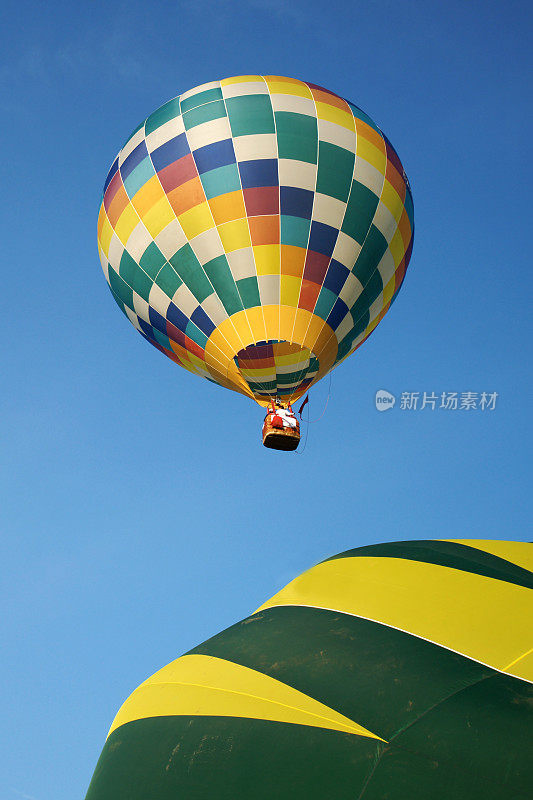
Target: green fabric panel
131	272
359	310
191	273
473	746
221	181
409	208
250	114
220	275
401	775
372	252
346	344
200	99
168	281
361	320
360	211
477	744
297	136
152	260
314	363
162	115
249	292
122	293
264	386
211	111
163	340
230	758
344	348
447	554
128	268
285	379
439	710
324	304
294	230
335	170
379	677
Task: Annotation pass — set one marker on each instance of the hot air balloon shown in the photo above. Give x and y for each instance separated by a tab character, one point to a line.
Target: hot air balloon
391	671
256	230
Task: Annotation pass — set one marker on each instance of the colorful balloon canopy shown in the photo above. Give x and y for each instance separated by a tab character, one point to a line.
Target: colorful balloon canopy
389	672
256	230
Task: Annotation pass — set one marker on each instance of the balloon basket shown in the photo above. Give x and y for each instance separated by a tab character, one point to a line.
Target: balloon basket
280	438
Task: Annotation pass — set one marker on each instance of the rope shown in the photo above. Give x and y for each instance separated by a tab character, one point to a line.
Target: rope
312	421
308	421
301	451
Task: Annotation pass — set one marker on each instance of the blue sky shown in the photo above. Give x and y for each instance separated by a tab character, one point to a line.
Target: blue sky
139	513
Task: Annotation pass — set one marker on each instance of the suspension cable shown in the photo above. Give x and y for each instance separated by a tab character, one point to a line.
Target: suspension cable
312	421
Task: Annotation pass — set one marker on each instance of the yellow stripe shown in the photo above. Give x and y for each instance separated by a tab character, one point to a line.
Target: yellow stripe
397	247
279	85
519	553
372	154
310	332
259	373
105	236
388	291
484	619
391	199
198	685
158	216
128	220
296	358
196	220
267	259
241	79
234	235
337	115
290	290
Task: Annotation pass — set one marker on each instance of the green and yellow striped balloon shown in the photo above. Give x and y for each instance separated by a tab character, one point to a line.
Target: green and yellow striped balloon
256	230
390	672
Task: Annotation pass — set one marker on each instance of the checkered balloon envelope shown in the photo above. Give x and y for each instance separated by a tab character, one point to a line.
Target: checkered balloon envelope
256	230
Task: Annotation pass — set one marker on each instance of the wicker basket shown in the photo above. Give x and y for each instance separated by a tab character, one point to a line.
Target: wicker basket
280	438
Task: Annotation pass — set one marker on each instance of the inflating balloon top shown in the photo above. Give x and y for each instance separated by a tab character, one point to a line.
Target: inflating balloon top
256	230
395	671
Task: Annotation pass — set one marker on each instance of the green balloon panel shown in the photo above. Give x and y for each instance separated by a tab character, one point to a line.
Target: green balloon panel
388	672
